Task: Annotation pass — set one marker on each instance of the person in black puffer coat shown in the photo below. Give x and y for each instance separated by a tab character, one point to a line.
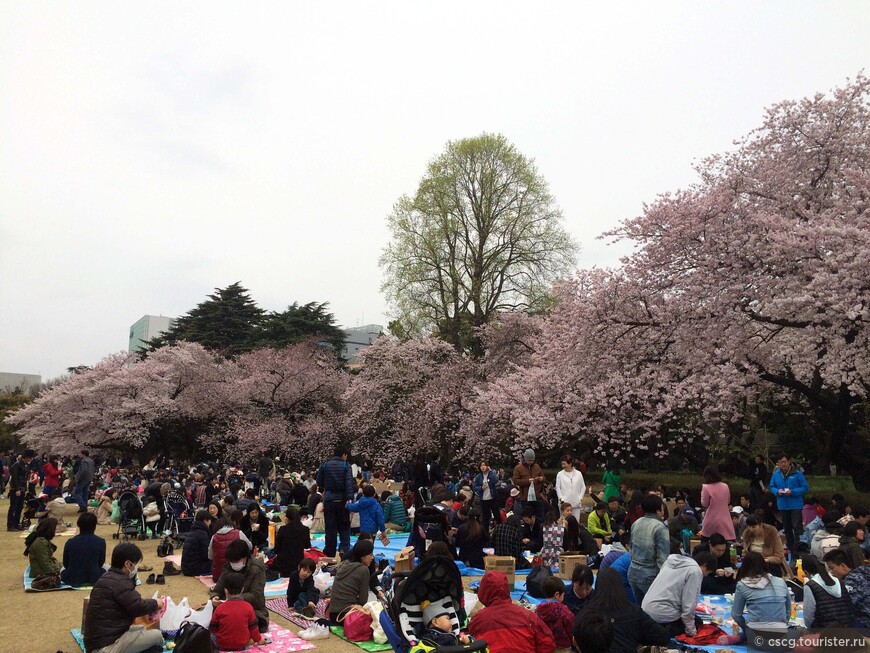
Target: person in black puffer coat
194	555
114	605
291	540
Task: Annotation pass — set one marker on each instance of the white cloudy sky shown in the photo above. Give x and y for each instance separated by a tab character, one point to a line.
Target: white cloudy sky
154	151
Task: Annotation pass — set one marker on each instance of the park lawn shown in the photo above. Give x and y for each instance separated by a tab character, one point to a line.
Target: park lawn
41	622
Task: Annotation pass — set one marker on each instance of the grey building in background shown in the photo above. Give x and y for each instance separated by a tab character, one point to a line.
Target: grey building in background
357	339
24	383
146	328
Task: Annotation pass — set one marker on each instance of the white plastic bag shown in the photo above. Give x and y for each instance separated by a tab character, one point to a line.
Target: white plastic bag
322	581
202	617
374	608
175	614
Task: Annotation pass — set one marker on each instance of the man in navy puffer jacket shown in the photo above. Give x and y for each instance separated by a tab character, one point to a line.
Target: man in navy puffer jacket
334	478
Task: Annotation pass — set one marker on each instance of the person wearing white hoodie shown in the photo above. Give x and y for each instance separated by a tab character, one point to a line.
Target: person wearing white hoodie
570	486
674	593
826	600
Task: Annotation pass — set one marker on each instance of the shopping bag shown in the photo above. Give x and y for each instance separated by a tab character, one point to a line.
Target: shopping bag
202	617
175	614
374	609
357	624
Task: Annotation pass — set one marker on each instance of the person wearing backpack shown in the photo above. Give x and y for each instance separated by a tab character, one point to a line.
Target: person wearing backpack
233	622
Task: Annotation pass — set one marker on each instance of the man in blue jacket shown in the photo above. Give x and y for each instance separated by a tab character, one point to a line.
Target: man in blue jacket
788	485
336	481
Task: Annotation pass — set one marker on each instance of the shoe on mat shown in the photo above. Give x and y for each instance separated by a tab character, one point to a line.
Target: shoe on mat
151	579
315	631
161	579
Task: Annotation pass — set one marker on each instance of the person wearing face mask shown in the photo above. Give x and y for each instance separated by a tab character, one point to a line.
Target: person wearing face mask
240	561
115	604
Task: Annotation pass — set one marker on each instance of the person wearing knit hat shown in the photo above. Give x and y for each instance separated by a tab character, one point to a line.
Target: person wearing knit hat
439	627
529	478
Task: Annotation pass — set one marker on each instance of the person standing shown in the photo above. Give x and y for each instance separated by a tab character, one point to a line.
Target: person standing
484	488
17	489
84	478
570	485
757	487
650	546
612	482
52	471
716	497
529	479
789	486
336	479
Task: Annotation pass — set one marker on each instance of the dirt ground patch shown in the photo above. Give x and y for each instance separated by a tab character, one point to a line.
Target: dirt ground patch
41	622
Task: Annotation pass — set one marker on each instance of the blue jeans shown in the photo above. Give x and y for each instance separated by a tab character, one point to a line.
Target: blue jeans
640	588
337	522
80	492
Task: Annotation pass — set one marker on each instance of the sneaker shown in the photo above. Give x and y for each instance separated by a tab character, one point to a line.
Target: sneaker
315	631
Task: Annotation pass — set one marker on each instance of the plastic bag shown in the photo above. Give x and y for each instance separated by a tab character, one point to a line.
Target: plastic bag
174	614
374	609
322	581
202	617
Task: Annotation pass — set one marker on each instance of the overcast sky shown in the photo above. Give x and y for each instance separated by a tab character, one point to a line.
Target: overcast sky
154	151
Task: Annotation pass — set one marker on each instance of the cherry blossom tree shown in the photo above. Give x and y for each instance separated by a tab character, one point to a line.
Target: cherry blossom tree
756	279
409	398
291	400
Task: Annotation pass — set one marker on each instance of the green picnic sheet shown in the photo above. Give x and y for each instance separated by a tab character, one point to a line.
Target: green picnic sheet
366	646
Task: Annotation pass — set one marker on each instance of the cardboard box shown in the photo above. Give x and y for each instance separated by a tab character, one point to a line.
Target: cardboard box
404	559
567	563
693	542
504	564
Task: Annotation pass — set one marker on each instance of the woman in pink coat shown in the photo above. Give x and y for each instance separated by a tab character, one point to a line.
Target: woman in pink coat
715	497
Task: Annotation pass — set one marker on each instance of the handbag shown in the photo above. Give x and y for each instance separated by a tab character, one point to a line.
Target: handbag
357	624
535	580
45	582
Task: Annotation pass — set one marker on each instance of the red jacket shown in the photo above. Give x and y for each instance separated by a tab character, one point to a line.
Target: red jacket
508	628
559	619
234	623
52	475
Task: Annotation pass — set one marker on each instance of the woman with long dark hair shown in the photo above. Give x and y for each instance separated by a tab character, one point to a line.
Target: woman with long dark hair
632	627
471	538
40	548
291	540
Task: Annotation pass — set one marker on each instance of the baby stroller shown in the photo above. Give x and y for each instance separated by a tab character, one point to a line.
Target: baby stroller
435	580
178	518
132	522
430	525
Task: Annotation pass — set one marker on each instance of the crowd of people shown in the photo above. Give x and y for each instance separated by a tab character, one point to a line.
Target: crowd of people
647	563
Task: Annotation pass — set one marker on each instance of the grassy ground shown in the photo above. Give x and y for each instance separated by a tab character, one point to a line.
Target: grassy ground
821	487
41	622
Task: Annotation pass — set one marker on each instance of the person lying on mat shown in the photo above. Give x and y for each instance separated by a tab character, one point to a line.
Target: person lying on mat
115	605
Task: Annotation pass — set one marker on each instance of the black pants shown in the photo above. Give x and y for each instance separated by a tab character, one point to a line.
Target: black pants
793	525
16	505
488	511
337	522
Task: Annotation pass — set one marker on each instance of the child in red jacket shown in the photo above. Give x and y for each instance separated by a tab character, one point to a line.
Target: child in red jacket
555	613
234	623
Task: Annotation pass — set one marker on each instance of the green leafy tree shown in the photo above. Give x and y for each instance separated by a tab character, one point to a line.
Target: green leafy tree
9	403
481	235
300	324
226	322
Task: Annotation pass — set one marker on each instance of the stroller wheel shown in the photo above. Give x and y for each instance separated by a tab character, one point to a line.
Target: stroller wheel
115	536
143	536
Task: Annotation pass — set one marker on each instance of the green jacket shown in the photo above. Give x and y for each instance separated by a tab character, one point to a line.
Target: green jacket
42	558
599	527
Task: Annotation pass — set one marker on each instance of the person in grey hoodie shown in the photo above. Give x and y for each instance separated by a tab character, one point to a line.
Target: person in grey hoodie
84	478
351	586
673	595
